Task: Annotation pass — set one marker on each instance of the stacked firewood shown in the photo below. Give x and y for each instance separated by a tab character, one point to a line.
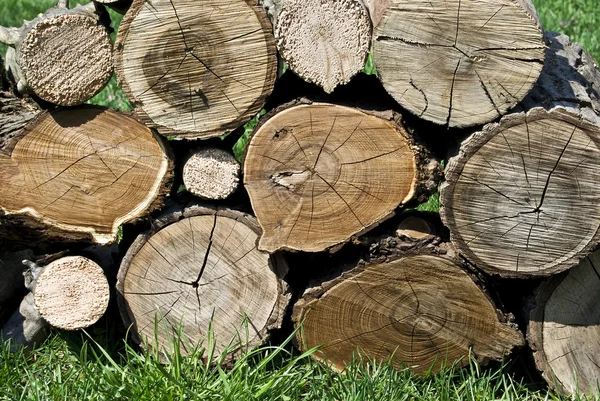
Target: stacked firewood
473	104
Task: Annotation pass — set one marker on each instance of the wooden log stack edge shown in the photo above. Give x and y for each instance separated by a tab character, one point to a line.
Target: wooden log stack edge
316	229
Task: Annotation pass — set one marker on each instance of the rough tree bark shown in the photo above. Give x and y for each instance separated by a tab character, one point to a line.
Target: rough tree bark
320	174
63	56
26	327
564	329
409	303
324	42
206	67
459	63
199	270
78	173
11	273
521	197
71	293
211	173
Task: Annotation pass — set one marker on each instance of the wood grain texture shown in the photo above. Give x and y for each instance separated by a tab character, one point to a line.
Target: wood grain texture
63	56
82	172
201	267
211	173
458	63
376	9
318	174
206	67
71	293
521	198
565	326
419	312
324	42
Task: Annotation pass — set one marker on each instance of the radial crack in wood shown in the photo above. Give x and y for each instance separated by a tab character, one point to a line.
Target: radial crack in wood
521	197
79	173
71	293
565	327
324	42
319	174
458	63
206	66
199	271
419	312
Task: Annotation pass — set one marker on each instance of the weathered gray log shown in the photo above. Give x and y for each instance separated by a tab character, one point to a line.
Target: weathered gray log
198	270
63	56
458	63
521	197
196	69
564	329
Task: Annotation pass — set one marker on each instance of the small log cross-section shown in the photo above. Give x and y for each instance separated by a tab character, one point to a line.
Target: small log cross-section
79	173
199	270
565	326
324	42
211	174
522	197
420	312
319	174
71	293
63	56
196	69
458	63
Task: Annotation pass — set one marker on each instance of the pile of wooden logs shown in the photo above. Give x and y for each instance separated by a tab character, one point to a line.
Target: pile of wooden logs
323	231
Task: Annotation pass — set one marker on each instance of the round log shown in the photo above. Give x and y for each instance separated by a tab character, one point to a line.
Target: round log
565	326
459	63
206	67
420	312
199	271
71	293
521	197
79	173
63	56
211	174
320	174
324	42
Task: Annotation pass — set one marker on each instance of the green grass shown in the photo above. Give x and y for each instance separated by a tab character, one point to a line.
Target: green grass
75	367
580	19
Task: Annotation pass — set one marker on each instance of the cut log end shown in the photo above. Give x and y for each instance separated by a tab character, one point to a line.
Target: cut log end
521	197
565	327
319	174
467	66
324	42
83	172
66	59
206	67
418	312
211	174
198	274
72	293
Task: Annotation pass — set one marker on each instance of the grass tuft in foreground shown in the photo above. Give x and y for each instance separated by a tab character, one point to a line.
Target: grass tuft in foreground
75	366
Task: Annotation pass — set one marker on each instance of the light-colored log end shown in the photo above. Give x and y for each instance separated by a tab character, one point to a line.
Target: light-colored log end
211	174
72	293
66	59
324	42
